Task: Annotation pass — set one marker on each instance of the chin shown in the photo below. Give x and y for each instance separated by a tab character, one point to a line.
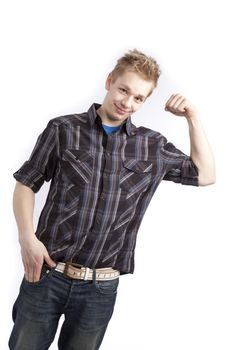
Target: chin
115	117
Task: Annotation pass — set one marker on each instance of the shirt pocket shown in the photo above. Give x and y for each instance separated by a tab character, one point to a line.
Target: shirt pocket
77	166
136	176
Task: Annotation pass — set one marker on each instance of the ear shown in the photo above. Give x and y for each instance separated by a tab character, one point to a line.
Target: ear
108	82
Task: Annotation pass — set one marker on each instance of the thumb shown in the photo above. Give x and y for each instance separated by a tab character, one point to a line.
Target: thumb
48	260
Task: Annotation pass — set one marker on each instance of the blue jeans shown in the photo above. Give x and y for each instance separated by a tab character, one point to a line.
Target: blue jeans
86	305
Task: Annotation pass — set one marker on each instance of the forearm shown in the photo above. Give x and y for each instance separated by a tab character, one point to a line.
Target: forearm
33	252
23	206
201	152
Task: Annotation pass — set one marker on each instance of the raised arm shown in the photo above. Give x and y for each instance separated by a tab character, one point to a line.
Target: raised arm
32	250
201	152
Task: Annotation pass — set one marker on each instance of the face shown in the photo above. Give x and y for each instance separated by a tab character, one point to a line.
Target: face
124	97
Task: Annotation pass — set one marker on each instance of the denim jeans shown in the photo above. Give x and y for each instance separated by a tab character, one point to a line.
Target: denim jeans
87	307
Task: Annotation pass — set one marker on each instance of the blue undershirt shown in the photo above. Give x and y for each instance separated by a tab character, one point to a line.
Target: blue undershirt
110	129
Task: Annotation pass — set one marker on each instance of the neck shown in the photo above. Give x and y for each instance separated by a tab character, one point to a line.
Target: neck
107	120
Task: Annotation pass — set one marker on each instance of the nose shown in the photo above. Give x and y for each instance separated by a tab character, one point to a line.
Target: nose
126	103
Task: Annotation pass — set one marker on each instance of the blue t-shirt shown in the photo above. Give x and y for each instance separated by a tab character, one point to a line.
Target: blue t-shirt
109	129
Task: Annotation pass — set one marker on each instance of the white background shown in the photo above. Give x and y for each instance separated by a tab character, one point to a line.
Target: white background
55	56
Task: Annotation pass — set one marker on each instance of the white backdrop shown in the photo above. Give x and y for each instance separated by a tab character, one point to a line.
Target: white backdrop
55	56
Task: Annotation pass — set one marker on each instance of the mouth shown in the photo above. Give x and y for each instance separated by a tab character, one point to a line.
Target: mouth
120	111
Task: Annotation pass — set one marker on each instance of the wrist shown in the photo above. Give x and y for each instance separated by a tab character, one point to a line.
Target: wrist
193	119
25	236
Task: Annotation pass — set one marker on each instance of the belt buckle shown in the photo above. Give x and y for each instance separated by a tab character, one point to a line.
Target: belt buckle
67	264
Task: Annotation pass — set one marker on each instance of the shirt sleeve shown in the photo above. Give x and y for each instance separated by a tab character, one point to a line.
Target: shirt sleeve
42	162
179	167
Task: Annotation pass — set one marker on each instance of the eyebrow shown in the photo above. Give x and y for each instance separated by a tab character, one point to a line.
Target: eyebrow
128	88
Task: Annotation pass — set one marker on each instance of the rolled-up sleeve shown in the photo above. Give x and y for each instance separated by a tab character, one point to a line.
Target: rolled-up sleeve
179	167
42	162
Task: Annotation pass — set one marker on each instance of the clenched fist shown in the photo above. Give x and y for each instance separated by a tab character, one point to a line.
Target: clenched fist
179	105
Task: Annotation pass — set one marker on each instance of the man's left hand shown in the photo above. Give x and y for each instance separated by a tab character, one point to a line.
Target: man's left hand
179	105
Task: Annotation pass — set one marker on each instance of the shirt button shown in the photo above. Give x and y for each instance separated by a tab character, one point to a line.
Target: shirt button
102	197
108	154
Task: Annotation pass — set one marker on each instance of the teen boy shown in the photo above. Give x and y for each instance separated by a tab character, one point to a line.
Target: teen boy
104	171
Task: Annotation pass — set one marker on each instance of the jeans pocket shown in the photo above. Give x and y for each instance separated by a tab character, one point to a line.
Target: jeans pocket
45	272
107	287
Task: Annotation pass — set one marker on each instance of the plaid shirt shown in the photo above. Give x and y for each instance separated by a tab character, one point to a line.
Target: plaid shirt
101	186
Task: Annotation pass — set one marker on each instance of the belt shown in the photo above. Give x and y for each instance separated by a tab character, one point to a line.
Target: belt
79	272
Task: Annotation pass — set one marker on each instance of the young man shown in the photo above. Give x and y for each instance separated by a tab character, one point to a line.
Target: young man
104	172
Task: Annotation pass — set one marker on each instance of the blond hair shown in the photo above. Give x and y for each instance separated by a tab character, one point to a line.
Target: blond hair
138	62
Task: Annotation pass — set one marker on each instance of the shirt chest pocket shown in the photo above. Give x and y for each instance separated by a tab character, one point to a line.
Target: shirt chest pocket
136	176
77	166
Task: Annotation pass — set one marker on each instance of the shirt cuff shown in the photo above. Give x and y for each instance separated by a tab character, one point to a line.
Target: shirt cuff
29	176
189	173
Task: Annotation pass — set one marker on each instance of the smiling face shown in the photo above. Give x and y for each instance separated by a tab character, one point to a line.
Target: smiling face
124	97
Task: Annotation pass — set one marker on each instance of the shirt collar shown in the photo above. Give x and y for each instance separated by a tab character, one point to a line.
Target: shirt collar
127	125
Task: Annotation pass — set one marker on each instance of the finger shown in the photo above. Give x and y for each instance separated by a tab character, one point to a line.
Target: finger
169	101
49	261
177	103
26	269
37	272
24	265
182	106
175	100
30	274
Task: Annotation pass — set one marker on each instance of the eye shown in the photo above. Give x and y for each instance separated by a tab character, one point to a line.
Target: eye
139	99
123	90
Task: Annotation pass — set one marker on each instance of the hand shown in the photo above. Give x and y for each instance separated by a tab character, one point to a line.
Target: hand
179	105
34	254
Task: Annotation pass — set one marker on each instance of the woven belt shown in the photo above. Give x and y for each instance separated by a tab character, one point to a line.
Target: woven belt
76	271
